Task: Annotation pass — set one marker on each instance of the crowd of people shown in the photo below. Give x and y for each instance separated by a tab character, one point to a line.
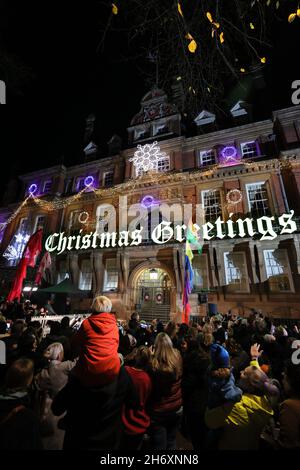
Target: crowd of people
226	382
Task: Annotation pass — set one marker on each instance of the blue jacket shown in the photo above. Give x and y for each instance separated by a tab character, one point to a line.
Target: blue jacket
222	391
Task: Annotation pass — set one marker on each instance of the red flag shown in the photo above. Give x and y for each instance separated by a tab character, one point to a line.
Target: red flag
31	251
44	264
16	289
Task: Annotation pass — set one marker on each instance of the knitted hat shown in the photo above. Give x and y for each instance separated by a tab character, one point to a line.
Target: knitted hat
219	357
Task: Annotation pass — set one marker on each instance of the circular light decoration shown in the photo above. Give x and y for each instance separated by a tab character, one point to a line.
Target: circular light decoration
148	201
159	298
89	180
234	197
229	154
83	217
32	188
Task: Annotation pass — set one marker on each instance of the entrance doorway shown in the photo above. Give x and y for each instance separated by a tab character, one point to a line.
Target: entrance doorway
153	294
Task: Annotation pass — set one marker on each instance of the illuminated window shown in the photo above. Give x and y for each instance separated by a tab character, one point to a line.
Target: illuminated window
39	223
111	276
211	202
162	166
47	186
258	199
249	149
207	157
236	272
62	272
85	275
108	178
278	270
80	184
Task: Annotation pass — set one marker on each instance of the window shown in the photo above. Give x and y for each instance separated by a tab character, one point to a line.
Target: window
80	184
47	186
86	275
161	129
108	178
39	222
111	277
200	272
278	271
74	223
236	274
207	157
249	149
211	201
258	198
62	272
23	225
162	166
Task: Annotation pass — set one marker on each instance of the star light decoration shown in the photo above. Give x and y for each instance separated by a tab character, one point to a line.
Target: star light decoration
146	158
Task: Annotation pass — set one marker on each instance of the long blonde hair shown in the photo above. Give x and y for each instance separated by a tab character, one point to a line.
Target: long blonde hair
54	352
166	359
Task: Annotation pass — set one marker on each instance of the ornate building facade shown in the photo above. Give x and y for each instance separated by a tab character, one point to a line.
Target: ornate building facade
251	169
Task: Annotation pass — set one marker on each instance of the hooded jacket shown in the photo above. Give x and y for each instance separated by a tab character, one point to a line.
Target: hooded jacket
242	422
97	343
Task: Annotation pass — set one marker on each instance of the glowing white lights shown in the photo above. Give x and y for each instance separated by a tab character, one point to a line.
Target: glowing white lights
147	157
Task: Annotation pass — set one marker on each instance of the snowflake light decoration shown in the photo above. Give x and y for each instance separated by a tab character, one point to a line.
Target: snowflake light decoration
146	158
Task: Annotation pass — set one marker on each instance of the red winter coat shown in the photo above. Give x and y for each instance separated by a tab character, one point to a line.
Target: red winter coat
97	342
137	421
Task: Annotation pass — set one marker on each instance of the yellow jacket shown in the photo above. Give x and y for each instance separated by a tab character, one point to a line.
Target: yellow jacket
242	422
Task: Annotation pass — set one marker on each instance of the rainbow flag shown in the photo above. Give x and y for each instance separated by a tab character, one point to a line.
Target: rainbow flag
193	237
188	282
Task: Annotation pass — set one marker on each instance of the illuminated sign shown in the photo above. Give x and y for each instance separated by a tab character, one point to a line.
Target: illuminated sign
263	227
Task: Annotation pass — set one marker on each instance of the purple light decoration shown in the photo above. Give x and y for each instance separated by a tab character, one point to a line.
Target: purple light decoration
32	188
229	155
148	201
89	181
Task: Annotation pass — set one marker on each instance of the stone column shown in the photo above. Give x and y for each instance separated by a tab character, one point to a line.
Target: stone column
253	263
212	266
73	268
98	271
296	239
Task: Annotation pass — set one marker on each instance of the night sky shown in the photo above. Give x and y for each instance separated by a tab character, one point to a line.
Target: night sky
63	78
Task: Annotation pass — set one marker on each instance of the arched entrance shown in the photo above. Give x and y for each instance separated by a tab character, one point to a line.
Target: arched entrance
154	292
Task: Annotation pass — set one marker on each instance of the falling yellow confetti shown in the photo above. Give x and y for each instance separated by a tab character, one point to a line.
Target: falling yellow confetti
208	89
242	70
192	46
252	26
209	16
277	5
298	12
115	9
268	2
222	38
216	25
263	60
178	78
179	9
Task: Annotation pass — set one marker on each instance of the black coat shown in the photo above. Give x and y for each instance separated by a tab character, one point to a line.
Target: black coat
93	420
20	431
